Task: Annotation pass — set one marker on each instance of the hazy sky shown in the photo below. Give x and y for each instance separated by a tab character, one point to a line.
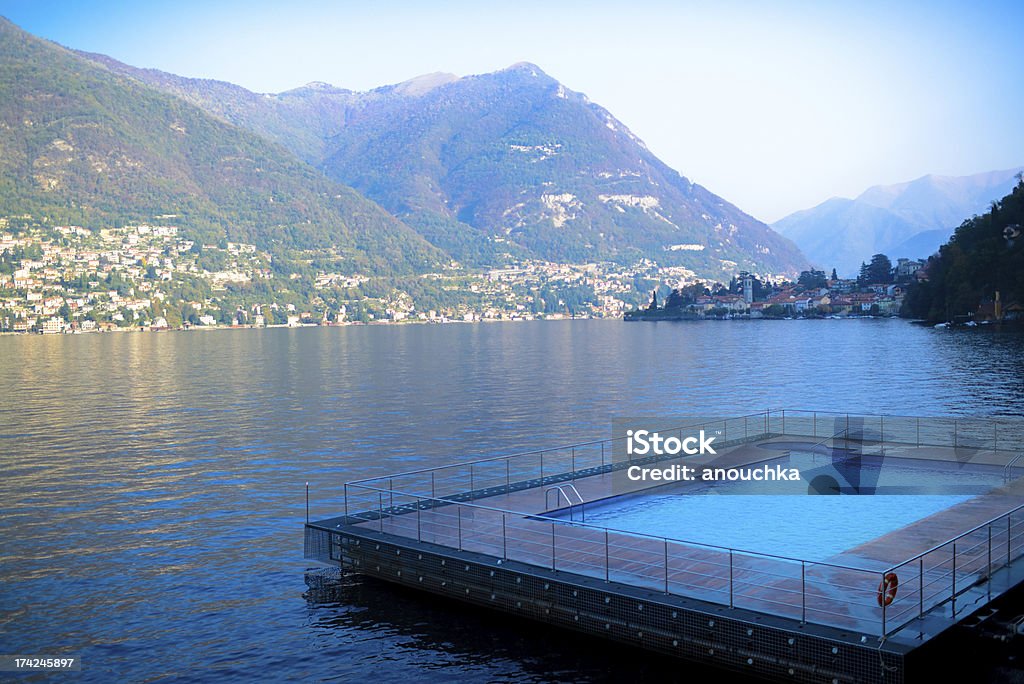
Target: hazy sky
774	106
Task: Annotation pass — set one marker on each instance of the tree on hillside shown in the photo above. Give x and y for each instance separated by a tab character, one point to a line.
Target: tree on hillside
811	280
878	271
980	260
685	296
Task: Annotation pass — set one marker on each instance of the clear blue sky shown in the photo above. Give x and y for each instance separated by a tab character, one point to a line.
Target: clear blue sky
774	106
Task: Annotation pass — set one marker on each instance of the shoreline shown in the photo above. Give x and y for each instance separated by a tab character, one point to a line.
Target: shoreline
211	328
992	325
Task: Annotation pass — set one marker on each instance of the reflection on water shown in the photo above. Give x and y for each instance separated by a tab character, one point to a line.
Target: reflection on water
152	485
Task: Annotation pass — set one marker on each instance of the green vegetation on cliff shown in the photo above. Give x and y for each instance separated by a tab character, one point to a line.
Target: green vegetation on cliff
984	256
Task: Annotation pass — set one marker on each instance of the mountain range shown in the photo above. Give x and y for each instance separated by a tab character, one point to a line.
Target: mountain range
904	220
496	167
79	144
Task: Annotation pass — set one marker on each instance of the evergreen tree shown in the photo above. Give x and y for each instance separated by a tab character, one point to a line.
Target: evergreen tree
878	271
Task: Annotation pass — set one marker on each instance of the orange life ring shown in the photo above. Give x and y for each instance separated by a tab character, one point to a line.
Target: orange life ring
887	589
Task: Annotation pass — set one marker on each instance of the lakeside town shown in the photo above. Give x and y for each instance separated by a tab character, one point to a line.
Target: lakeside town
878	291
68	279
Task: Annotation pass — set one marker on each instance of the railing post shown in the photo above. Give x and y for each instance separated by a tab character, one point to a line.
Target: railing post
573	462
954	433
307	503
881	430
508	478
542	468
433	491
988	570
1009	529
380	509
419	509
472	486
814	424
745	428
954	572
666	566
883	588
504	539
995	435
602	454
920	588
783	421
552	546
607	563
730	579
459	509
346	500
803	592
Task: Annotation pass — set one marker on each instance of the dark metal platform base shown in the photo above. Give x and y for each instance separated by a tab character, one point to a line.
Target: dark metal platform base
745	641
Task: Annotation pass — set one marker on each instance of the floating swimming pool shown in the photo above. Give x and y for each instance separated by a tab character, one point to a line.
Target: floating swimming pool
790	522
479	532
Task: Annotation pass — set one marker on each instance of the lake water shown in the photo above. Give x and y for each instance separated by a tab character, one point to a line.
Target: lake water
152	485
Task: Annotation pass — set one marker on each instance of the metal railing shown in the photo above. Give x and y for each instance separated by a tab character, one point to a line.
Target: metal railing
467	480
1008	470
565	463
842	595
439	505
950	569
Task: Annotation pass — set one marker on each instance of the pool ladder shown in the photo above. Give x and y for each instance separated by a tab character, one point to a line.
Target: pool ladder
560	491
1008	470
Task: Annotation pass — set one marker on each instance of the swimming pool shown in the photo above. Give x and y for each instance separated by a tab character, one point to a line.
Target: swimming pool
789	522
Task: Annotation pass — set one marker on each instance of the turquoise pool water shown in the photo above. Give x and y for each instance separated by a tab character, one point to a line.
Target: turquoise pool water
792	523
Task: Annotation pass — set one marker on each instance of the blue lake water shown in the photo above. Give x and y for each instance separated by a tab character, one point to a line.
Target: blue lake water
152	485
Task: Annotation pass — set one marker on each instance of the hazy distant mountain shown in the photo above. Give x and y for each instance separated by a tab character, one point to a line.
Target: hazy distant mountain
81	144
904	220
919	245
507	163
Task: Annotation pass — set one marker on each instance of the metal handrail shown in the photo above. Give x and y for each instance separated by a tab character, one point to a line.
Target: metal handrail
561	491
974	529
545	518
1008	470
882	415
767	414
358	484
817	444
536	452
